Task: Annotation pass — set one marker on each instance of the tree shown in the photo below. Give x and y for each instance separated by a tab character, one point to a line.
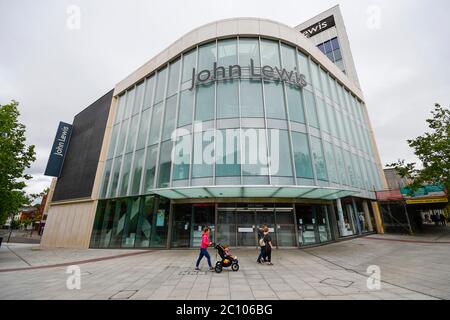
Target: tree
15	157
433	150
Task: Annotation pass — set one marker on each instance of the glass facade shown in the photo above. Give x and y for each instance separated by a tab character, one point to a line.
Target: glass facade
316	137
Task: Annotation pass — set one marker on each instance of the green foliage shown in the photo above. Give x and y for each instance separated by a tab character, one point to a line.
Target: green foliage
15	157
433	150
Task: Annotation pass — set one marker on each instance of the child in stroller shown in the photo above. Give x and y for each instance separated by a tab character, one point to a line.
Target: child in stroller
227	260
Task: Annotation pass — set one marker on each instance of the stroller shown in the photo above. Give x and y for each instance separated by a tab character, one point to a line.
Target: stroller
226	261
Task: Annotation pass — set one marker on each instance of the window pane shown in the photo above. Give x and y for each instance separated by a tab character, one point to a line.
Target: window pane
331	119
249	49
204	107
325	83
302	157
165	164
106	177
182	157
160	85
350	171
188	65
319	162
228	158
137	171
125	174
150	167
130	103
144	227
143	129
113	141
174	78
115	177
227	50
155	124
120	108
131	139
129	232
331	164
280	154
169	118
295	104
254	152
341	165
303	66
149	87
138	98
251	99
322	115
122	136
203	159
315	75
269	53
334	43
288	56
186	105
206	56
274	100
311	111
227	99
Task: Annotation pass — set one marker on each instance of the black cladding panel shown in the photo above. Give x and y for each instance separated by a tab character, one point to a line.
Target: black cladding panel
80	165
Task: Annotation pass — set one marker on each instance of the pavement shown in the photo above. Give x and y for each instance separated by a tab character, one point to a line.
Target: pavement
411	268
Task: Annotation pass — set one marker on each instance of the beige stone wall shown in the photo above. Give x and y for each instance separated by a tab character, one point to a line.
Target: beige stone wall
69	225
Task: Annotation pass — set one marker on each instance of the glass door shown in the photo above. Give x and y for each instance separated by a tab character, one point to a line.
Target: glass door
246	228
203	216
306	225
226	227
181	229
267	218
285	229
323	224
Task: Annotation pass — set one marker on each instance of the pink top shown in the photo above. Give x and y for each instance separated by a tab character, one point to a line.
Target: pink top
205	241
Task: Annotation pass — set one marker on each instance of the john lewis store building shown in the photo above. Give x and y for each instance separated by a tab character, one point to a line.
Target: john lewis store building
240	122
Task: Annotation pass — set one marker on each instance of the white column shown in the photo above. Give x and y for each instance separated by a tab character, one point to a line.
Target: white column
341	222
367	215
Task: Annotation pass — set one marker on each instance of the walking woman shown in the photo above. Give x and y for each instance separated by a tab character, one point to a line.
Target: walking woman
268	250
204	249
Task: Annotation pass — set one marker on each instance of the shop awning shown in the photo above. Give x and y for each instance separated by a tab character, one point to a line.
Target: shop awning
306	192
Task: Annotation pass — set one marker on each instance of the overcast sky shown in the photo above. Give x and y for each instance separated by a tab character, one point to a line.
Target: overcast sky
55	72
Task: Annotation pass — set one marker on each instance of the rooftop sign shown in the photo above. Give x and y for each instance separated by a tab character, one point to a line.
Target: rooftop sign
319	27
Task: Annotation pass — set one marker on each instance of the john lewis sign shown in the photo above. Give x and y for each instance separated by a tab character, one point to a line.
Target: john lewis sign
59	149
236	71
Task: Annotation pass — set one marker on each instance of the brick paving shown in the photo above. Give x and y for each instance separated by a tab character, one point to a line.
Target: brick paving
409	270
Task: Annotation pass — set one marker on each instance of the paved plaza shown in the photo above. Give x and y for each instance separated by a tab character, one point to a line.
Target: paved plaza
412	267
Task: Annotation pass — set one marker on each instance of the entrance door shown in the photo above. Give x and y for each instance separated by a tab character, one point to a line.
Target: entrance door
203	216
246	228
267	218
306	225
323	224
285	229
181	230
226	227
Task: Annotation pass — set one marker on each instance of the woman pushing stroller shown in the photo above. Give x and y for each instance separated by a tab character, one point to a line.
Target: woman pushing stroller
205	243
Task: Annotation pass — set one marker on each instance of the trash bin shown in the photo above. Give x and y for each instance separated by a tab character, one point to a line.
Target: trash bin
1	239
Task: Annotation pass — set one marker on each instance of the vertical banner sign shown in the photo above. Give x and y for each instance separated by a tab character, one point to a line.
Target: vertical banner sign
59	149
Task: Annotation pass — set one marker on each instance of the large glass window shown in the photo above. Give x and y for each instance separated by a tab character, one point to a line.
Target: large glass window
331	163
150	168
288	56
295	104
165	163
144	227
322	115
138	98
131	139
206	56
155	126
319	161
113	141
120	108
315	75
251	99
302	157
303	66
254	155
188	64
122	136
160	223
170	117
227	99
204	107
143	129
125	174
186	105
174	78
280	154
160	85
228	158
129	232
137	171
227	52
311	110
106	177
249	49
130	103
274	98
115	177
203	155
182	157
269	53
149	86
341	165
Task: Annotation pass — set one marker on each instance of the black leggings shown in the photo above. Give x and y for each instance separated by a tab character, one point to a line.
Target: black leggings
268	254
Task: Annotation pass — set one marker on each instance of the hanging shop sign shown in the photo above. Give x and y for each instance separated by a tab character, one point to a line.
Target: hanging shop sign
59	150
